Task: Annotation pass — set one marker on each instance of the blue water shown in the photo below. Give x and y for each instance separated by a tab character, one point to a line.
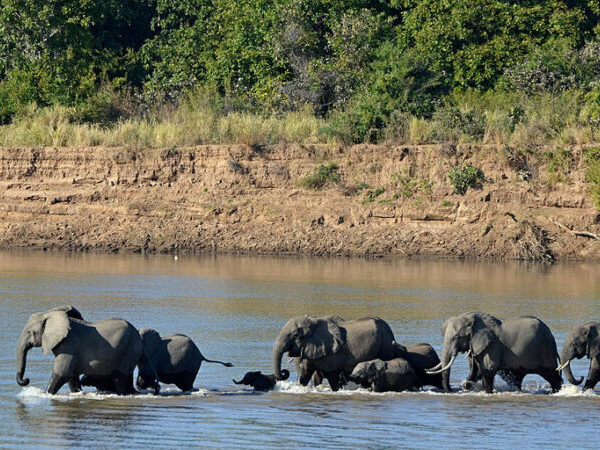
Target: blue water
233	307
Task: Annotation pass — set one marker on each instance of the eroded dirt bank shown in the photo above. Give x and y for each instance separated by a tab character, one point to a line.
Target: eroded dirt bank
388	201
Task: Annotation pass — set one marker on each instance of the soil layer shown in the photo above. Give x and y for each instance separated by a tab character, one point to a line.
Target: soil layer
388	201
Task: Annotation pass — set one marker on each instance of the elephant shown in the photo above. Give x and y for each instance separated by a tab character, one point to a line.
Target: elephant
109	349
71	311
421	357
261	382
173	360
517	347
381	376
332	347
583	340
305	369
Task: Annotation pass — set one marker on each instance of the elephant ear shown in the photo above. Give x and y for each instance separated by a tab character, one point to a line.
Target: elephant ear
481	340
593	343
70	310
56	328
323	339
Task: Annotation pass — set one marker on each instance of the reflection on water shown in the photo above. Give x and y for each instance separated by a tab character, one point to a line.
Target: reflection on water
233	308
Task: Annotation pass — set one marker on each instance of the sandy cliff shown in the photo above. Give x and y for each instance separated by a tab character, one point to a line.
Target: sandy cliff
389	201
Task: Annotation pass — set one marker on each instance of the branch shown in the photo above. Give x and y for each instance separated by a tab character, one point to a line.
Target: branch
574	232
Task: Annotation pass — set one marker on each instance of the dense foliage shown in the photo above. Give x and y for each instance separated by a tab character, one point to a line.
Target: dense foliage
365	65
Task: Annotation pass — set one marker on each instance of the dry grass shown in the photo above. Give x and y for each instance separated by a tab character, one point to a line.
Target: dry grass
54	126
510	119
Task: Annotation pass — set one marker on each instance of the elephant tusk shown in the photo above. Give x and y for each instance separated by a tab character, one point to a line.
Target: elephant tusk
435	367
468	353
435	372
291	360
563	365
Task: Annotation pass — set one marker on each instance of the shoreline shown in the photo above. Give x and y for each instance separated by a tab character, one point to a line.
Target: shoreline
234	199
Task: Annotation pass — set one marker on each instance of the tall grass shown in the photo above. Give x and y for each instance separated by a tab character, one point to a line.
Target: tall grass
491	117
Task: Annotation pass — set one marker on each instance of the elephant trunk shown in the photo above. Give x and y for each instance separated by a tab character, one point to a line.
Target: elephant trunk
236	382
279	349
566	356
22	349
569	374
448	356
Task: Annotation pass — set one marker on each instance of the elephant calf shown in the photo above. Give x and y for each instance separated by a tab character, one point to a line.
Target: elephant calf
381	376
176	360
261	382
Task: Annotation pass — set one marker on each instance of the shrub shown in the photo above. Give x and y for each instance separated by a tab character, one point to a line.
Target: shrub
372	194
321	176
557	166
464	177
592	172
454	121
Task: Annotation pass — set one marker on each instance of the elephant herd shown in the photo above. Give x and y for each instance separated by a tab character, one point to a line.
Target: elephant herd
104	354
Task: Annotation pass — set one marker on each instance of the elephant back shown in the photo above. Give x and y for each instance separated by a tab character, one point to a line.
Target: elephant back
369	338
531	342
182	354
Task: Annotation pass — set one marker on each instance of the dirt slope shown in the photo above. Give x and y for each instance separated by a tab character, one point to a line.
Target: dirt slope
242	199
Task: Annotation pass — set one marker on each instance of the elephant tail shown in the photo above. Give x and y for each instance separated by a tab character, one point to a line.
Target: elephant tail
226	364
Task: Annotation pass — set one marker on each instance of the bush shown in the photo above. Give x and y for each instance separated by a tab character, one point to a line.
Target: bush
453	121
321	176
592	172
464	177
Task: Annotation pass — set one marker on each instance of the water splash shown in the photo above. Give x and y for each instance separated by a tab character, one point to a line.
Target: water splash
34	395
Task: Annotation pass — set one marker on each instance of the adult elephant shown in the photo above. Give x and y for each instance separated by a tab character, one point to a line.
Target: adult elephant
582	341
421	357
108	350
333	348
306	369
520	346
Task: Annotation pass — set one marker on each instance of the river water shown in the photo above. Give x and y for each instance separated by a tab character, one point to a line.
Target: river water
233	307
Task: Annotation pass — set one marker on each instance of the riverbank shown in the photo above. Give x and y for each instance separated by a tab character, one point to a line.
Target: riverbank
300	199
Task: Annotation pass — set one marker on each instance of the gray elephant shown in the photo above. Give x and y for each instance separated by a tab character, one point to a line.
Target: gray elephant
334	348
173	360
582	341
306	369
108	349
261	382
381	376
517	347
422	357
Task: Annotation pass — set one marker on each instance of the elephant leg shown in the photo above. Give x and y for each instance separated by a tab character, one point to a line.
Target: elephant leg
123	383
487	377
513	377
62	372
186	382
474	372
334	380
553	377
55	383
317	379
593	374
75	384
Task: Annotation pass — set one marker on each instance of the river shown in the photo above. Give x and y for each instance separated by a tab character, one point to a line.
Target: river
233	307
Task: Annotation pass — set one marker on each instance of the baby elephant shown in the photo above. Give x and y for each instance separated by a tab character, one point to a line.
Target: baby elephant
381	376
262	382
176	360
